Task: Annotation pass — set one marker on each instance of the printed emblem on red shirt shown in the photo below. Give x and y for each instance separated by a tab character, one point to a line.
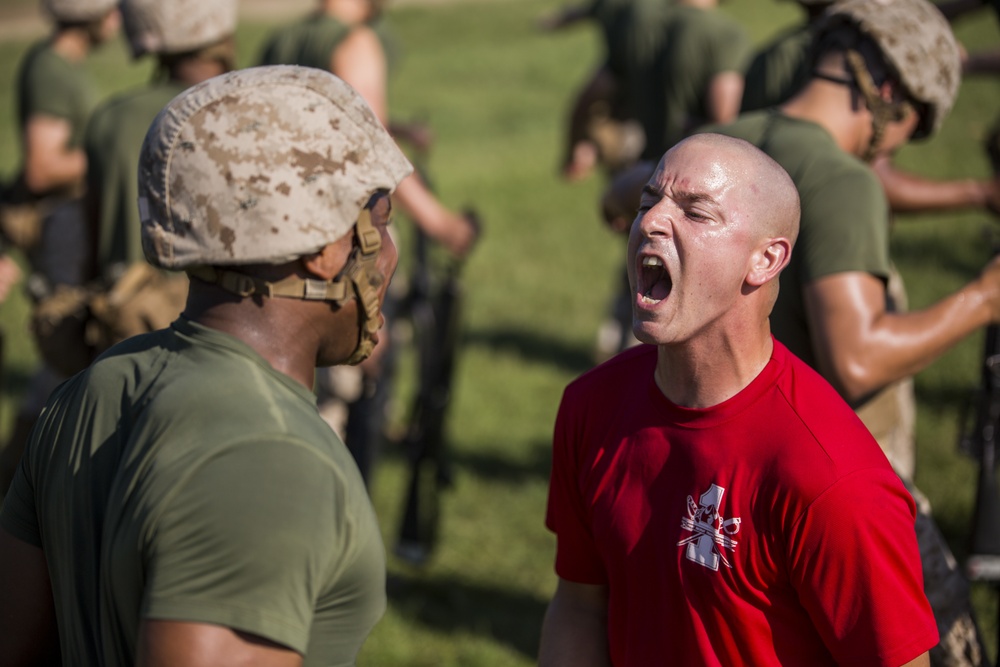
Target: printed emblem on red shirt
711	531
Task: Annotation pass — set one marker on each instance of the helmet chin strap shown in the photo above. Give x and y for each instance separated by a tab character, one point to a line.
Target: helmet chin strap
366	280
359	279
883	112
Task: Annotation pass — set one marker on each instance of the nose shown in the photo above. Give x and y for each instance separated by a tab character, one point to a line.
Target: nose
655	221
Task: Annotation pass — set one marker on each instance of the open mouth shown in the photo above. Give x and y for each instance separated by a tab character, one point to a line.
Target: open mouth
655	280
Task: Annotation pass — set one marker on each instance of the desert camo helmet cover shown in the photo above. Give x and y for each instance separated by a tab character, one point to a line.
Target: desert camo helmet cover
917	41
263	166
176	26
78	10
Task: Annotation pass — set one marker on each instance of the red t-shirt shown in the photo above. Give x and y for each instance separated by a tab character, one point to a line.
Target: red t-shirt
766	530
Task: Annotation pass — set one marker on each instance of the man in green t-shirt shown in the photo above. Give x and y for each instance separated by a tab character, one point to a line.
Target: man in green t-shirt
181	501
54	100
781	68
682	66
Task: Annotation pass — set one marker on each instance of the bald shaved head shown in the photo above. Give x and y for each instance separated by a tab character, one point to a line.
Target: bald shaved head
715	228
771	198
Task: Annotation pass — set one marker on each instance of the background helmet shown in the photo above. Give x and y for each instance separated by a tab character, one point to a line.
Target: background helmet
176	26
78	11
916	40
262	165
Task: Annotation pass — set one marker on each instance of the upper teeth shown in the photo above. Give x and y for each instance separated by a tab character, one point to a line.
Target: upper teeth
652	261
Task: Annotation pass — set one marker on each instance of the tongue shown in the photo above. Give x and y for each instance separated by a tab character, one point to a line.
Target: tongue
660	289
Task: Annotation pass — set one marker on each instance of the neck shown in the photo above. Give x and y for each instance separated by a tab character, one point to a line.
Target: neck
274	328
700	4
192	71
73	44
712	369
828	105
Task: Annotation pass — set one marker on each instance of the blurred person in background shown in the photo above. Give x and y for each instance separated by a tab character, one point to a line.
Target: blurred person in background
781	68
192	41
339	37
41	212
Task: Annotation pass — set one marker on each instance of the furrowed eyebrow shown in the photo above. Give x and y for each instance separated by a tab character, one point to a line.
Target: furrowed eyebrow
696	198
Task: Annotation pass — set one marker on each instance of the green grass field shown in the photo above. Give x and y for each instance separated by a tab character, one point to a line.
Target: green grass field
495	92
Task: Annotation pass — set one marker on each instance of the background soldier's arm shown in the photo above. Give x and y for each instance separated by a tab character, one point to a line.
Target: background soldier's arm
48	163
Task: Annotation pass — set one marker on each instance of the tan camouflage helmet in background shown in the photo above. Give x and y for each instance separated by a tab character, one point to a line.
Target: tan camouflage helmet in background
176	26
78	11
262	165
917	41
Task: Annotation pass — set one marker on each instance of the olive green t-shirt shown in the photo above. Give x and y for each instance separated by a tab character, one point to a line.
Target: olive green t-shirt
182	477
50	85
845	215
779	70
669	56
113	141
309	42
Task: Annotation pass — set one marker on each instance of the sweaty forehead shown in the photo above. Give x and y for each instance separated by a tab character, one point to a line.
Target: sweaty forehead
701	168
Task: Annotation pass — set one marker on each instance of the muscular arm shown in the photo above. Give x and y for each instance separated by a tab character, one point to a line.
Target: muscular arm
860	347
920	661
48	163
909	192
725	94
28	634
167	643
574	633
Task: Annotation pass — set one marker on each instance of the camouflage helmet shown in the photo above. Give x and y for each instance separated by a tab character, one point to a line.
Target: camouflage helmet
77	11
261	165
917	41
176	26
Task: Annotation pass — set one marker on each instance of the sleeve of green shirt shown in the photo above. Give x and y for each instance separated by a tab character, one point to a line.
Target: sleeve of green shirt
249	541
731	48
49	88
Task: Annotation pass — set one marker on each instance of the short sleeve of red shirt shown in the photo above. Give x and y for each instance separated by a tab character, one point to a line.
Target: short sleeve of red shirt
854	560
577	558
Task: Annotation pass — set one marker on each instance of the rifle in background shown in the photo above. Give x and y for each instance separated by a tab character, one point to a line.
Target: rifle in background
983	562
435	310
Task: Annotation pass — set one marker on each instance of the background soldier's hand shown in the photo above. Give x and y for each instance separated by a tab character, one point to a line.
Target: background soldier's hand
10	274
464	235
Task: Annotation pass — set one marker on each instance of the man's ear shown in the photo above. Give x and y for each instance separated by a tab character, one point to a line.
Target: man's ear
327	262
768	260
